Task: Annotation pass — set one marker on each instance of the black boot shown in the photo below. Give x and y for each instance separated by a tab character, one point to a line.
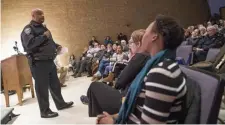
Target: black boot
66	105
49	114
78	75
74	74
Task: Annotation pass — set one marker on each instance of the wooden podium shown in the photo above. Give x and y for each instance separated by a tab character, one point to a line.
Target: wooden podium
16	74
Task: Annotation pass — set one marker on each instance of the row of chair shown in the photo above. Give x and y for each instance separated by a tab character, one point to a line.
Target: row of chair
211	81
185	54
211	89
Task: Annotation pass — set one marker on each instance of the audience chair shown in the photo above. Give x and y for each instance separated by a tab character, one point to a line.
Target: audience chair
210	64
212	88
184	43
211	55
184	52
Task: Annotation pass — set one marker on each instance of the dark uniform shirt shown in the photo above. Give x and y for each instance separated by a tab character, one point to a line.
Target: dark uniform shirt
36	44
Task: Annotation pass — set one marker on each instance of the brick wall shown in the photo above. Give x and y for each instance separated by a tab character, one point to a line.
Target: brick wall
73	22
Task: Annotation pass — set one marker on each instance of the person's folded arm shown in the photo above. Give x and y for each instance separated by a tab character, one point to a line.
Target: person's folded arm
31	41
112	59
206	48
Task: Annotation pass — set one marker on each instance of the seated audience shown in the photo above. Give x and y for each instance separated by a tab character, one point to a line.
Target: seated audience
114	47
191	29
125	46
72	63
97	100
62	72
121	37
108	40
103	63
78	61
215	66
209	23
150	99
93	40
86	60
119	56
95	60
134	45
213	39
203	31
221	23
187	34
111	102
195	38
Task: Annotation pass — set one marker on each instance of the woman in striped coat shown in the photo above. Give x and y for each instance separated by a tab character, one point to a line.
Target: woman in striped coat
157	93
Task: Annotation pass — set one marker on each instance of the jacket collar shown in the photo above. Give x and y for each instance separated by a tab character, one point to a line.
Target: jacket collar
35	23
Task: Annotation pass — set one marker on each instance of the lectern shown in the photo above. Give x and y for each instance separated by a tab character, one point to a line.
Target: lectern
16	74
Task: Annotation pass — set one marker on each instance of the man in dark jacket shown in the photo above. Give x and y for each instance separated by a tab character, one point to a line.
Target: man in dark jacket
212	40
41	49
121	36
93	40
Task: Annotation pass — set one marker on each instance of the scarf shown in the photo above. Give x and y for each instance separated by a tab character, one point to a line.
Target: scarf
136	87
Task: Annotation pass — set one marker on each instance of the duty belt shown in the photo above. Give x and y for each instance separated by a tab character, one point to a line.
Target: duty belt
44	58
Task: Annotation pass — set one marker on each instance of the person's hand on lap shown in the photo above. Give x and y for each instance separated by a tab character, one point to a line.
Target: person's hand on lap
105	118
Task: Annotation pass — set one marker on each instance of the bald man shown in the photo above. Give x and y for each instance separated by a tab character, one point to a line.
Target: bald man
41	51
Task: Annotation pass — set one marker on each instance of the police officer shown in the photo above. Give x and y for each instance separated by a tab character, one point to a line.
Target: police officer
41	51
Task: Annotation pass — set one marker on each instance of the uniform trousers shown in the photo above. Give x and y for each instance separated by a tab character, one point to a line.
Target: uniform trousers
44	73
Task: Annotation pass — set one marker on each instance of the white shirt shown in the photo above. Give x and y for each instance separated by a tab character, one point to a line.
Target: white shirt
92	51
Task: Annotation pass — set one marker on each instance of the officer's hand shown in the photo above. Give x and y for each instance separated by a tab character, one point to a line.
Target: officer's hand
48	34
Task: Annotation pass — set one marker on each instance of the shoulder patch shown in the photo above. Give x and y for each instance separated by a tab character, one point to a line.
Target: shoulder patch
27	31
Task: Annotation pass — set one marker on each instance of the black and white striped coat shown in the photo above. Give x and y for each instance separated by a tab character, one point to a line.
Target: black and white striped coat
162	95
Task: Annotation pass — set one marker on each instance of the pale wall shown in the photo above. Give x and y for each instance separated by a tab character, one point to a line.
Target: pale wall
73	22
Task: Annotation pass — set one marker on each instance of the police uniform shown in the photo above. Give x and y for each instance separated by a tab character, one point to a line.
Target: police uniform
41	52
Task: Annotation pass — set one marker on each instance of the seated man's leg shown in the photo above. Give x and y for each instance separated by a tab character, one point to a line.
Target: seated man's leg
108	69
101	67
94	68
77	65
104	66
82	68
88	67
200	56
103	98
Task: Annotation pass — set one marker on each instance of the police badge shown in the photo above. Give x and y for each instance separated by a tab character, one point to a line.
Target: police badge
27	31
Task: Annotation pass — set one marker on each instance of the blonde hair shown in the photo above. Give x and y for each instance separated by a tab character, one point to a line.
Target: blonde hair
137	35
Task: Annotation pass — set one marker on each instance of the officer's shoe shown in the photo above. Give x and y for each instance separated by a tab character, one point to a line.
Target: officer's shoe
49	114
78	75
66	105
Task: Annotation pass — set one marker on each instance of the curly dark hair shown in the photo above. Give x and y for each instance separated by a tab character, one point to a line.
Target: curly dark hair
172	32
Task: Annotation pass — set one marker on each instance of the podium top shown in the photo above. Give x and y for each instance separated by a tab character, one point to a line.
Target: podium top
15	55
